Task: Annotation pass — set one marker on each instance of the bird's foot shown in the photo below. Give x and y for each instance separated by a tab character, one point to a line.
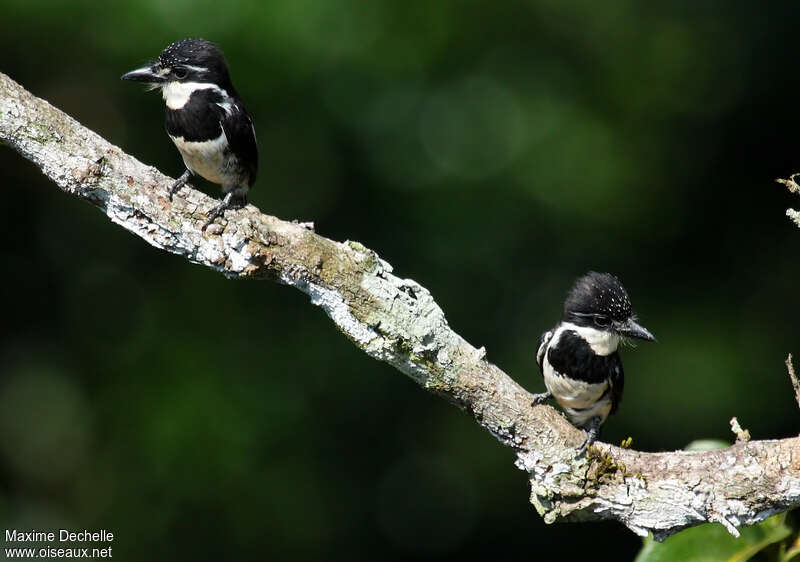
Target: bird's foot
179	183
592	432
541	398
230	201
216	212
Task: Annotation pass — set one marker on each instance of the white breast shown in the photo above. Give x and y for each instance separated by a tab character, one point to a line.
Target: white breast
580	400
207	159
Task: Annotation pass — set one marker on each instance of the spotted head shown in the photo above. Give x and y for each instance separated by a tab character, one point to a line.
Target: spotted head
599	300
184	62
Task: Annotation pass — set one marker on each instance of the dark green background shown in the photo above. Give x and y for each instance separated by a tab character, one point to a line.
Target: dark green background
492	151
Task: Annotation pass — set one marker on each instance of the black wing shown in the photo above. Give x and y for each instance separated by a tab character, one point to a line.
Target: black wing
241	134
543	342
616	382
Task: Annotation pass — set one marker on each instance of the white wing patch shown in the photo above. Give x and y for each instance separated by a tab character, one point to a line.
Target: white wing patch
227	107
546	337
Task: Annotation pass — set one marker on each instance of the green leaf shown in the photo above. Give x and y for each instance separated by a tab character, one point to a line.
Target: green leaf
793	554
712	543
790	549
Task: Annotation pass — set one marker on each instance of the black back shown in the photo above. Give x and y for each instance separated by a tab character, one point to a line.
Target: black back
242	138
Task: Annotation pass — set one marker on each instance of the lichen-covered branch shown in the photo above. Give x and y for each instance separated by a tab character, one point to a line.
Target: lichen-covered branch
396	320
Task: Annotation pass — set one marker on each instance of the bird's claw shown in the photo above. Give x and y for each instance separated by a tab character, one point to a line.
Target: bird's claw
179	183
216	212
592	432
212	216
583	448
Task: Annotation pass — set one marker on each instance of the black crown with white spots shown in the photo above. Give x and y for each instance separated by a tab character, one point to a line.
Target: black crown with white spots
201	53
597	294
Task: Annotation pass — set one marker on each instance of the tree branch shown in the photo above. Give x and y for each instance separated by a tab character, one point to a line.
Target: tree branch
396	320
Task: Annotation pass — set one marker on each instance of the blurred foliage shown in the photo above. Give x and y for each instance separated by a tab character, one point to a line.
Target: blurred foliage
707	445
492	152
775	539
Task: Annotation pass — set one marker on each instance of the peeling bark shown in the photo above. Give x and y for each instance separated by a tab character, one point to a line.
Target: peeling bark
396	320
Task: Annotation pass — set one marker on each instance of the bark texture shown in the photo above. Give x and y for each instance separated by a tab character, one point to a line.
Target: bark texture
397	320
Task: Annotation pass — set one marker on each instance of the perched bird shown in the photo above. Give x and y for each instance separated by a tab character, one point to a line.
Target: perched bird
205	118
578	358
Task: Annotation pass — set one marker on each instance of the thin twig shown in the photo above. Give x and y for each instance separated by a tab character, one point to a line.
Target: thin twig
794	187
791	184
793	377
742	435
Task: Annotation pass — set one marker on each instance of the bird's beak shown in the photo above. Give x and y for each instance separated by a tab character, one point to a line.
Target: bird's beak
634	330
151	74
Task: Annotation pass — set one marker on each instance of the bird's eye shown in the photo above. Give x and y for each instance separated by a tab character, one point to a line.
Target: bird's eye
180	73
602	321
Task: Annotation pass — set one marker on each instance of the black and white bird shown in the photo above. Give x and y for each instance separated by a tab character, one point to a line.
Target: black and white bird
578	358
205	118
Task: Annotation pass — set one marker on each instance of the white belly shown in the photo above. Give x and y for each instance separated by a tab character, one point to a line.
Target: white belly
207	159
581	400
